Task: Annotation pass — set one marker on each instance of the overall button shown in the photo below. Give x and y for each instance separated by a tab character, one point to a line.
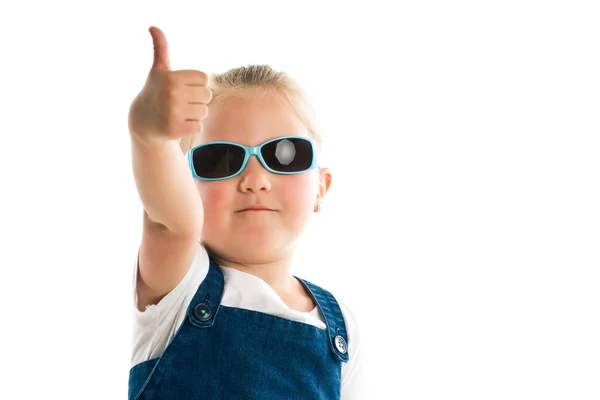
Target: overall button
340	344
203	312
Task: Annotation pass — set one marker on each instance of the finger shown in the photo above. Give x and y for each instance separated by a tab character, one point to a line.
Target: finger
185	114
161	50
190	127
184	122
190	113
191	77
198	95
196	112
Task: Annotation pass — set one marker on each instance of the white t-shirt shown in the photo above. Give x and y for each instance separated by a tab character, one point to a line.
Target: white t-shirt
156	326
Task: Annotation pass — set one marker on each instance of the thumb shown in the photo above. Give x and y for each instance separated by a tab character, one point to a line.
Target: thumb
161	49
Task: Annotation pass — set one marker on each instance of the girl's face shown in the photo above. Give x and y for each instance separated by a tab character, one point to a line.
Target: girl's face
254	236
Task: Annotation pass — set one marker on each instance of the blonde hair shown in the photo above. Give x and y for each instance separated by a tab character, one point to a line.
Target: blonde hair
239	81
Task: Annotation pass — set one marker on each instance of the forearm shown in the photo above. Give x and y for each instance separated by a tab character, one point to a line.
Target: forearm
166	186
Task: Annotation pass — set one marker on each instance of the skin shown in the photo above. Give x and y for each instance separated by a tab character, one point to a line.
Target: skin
259	242
178	210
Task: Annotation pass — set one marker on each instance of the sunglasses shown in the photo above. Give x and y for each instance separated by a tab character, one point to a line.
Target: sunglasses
222	160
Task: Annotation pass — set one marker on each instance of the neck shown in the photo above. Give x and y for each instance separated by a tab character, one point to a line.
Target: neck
275	271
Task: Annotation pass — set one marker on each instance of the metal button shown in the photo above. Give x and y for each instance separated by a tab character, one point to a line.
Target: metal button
203	312
340	344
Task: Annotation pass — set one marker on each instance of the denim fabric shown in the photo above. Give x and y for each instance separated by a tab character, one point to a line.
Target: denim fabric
222	352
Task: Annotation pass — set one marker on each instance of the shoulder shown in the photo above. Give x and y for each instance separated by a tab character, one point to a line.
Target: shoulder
352	371
196	272
352	326
351	321
349	313
353	380
154	327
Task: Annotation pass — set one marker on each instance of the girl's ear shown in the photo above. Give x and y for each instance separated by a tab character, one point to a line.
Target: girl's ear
325	178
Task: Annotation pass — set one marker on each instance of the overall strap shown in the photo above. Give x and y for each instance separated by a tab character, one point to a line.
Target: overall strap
206	303
334	319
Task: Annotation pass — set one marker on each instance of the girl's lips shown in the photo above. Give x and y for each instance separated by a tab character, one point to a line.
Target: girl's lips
256	208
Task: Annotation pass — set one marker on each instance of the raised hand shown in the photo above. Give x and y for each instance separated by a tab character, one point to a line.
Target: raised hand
172	104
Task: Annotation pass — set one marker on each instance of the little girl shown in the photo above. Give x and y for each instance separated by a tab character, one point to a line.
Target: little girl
218	314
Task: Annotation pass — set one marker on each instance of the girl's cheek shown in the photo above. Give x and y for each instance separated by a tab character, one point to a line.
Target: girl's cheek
300	193
213	194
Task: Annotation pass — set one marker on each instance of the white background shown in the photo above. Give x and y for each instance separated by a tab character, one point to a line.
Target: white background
463	225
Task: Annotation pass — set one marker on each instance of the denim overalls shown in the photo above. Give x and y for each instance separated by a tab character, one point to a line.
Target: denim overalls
226	353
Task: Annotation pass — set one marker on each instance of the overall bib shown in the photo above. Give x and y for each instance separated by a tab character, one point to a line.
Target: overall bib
226	353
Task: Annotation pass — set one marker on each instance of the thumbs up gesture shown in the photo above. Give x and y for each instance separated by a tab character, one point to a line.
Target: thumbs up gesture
172	104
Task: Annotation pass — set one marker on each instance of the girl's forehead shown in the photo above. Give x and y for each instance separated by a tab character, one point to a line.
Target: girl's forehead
250	121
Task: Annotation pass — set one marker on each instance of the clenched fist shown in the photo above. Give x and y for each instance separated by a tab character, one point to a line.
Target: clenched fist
171	104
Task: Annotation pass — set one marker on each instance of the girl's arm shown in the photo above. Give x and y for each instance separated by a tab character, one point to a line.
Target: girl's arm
172	221
170	106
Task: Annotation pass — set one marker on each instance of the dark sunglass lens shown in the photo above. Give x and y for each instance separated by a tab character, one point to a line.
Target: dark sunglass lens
288	155
216	161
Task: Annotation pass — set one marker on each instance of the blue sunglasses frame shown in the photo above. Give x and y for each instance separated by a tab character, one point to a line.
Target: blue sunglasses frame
253	150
